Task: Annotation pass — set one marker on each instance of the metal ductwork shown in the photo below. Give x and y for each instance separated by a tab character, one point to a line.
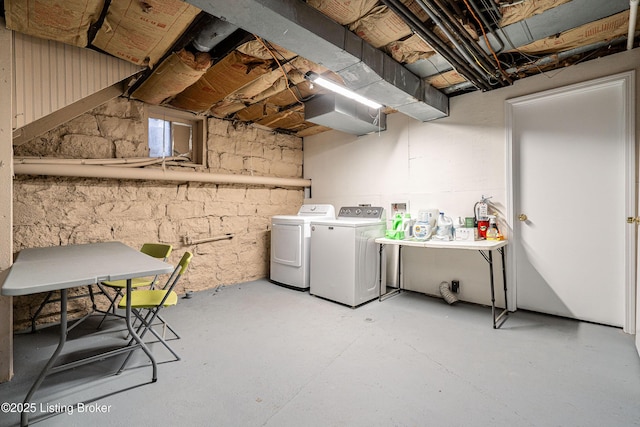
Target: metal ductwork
296	26
559	19
340	113
553	21
212	34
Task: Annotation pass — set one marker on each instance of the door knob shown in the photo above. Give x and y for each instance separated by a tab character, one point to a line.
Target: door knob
522	217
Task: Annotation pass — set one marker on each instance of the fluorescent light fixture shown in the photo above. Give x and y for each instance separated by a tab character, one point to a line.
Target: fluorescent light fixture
328	84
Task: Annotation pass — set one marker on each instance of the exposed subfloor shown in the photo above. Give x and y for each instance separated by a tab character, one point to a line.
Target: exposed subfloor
257	354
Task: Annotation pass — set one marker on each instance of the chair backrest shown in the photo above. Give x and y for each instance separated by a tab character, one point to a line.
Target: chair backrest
178	271
157	250
184	262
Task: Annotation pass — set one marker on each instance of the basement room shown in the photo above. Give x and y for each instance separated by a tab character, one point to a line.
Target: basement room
319	213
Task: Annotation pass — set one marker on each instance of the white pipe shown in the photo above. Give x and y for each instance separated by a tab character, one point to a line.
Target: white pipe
633	16
149	162
135	161
156	174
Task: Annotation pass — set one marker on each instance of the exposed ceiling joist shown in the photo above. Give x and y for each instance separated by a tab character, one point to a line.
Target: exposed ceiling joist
294	25
409	55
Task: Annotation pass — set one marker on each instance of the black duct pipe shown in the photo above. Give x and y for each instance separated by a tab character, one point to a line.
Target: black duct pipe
492	65
466	38
418	27
454	5
436	18
452	57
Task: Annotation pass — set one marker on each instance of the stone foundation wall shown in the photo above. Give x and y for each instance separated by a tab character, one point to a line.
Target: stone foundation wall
61	211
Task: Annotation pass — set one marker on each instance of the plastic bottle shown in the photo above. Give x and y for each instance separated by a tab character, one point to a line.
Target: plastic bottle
407	225
429	215
457	224
397	230
492	231
445	227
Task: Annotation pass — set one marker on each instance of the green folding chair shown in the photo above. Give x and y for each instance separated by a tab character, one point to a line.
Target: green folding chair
156	250
147	303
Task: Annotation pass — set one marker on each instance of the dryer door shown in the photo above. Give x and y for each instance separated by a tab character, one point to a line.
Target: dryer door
286	244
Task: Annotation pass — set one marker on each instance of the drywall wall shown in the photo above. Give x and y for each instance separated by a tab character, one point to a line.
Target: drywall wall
446	164
61	211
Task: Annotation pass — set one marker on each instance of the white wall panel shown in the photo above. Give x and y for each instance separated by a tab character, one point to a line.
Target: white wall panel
51	75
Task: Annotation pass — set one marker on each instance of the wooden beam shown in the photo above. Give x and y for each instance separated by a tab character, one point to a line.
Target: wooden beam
6	195
63	115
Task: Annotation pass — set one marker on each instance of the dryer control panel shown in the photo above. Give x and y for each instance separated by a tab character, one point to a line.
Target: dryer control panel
363	212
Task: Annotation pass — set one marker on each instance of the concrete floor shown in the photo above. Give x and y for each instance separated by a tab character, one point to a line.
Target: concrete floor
258	354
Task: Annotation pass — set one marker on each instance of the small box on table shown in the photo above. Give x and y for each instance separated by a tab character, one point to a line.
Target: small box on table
466	234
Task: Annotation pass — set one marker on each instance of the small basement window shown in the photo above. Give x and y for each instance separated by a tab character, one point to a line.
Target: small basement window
172	133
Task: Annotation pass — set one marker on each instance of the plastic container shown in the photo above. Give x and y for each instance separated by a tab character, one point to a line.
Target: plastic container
407	225
492	232
444	230
422	230
483	226
458	223
397	228
429	215
397	231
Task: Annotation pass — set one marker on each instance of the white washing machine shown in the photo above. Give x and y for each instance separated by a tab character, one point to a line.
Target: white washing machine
344	255
290	246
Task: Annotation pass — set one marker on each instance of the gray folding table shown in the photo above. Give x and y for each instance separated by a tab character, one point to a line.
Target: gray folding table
485	247
62	267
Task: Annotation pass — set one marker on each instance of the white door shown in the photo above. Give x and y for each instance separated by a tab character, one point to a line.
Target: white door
573	170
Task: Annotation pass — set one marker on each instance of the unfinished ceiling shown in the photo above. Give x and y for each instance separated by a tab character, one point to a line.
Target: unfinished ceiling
248	60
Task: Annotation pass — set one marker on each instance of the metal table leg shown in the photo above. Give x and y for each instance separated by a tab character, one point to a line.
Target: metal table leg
488	256
386	295
134	335
504	278
380	252
24	416
50	369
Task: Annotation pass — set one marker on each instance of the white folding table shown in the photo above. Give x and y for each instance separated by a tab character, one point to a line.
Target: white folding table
485	247
62	267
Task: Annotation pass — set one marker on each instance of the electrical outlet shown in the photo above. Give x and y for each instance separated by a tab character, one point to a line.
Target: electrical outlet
455	286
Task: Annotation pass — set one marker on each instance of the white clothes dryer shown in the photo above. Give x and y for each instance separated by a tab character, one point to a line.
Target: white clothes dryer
345	257
290	244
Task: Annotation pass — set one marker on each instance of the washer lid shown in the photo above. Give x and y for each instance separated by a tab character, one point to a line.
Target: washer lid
317	211
306	214
289	219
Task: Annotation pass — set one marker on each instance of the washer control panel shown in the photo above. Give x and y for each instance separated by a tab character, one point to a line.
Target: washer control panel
364	212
